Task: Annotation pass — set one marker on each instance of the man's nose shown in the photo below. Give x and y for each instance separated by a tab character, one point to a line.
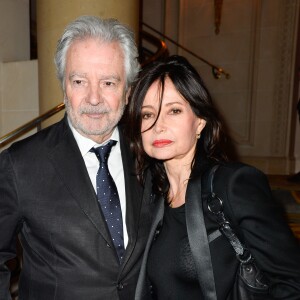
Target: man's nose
94	95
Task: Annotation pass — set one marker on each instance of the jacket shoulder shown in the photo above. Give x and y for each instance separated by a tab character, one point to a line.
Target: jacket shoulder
233	166
45	138
229	170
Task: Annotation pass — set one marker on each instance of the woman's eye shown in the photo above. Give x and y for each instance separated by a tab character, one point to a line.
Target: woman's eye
175	111
146	116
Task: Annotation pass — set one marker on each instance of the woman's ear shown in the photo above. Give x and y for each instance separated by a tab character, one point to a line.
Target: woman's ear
201	126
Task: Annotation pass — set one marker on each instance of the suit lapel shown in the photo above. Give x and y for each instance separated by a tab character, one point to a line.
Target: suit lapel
157	219
70	166
134	196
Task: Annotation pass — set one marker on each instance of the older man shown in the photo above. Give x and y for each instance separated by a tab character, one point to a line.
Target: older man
70	191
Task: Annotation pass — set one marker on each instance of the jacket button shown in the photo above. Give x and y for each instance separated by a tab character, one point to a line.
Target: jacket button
120	286
107	245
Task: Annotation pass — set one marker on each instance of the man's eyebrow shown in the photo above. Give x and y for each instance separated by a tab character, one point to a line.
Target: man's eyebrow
72	75
106	77
110	77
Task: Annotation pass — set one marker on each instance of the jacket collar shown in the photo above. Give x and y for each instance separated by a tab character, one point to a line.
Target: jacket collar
69	164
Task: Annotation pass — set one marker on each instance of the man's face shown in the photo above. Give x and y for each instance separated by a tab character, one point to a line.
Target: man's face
95	87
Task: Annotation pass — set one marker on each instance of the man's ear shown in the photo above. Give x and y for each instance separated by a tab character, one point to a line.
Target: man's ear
127	95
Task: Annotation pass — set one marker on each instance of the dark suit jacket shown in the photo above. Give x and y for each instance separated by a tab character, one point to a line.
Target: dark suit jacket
258	221
46	196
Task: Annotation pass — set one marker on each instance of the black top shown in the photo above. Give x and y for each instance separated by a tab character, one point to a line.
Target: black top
170	265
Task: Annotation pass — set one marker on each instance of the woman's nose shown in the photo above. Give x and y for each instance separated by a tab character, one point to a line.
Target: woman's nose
160	125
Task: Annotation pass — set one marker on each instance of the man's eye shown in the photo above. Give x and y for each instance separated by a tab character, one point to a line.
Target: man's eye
77	82
108	83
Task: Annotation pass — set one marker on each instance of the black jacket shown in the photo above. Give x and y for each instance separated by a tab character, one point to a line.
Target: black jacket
47	197
259	222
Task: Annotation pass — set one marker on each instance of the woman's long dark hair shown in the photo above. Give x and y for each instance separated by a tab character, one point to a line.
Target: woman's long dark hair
190	85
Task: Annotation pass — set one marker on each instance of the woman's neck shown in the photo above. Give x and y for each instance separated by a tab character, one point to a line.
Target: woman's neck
178	176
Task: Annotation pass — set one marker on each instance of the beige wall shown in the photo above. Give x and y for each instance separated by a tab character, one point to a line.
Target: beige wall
256	45
18	75
52	17
14	30
19	94
28	88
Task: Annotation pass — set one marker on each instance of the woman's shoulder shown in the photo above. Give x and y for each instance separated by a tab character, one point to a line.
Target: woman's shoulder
233	167
241	176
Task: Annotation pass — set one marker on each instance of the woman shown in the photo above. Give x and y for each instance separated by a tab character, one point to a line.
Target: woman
179	140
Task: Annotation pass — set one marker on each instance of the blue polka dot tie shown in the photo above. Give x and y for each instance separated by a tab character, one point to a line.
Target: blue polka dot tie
108	198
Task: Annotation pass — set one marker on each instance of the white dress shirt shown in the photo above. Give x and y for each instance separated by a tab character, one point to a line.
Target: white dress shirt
115	167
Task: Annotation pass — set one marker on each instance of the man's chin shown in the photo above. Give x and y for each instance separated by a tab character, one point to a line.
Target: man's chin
95	127
94	116
89	131
92	132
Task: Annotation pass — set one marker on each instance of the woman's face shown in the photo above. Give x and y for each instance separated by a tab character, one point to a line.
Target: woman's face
174	135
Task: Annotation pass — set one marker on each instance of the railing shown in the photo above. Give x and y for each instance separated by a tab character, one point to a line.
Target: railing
35	123
217	71
147	56
160	51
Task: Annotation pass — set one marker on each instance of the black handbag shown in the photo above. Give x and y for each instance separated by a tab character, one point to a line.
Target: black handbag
250	283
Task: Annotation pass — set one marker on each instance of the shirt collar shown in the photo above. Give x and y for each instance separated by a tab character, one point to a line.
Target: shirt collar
85	144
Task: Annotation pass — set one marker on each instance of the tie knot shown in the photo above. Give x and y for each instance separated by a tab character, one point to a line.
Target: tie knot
103	152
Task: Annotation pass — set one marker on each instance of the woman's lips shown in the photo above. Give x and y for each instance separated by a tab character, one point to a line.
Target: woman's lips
161	143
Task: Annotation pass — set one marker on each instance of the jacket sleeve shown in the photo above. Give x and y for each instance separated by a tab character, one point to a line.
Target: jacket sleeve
8	221
260	223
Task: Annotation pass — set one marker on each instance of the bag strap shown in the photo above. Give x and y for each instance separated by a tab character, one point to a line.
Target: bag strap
199	241
215	206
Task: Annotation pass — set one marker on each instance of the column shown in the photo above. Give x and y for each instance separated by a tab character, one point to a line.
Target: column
52	17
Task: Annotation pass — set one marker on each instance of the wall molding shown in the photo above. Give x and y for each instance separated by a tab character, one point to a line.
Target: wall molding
283	91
